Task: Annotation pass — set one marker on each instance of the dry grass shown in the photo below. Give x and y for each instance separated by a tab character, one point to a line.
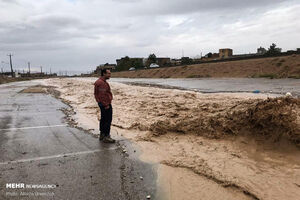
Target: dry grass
4	79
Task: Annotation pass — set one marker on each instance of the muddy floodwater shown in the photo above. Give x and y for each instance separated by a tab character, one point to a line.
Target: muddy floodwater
220	146
213	85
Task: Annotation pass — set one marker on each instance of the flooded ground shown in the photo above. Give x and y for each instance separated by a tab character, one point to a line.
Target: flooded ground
219	146
215	85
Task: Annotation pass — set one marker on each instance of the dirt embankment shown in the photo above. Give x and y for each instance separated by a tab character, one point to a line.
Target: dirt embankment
276	67
4	79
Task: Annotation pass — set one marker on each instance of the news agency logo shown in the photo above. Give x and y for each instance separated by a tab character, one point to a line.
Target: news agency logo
15	185
29	186
28	190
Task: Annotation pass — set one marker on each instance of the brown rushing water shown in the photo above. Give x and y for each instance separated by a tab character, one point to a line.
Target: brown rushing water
193	166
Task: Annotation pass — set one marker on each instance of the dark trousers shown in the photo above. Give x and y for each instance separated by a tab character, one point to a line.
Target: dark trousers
105	121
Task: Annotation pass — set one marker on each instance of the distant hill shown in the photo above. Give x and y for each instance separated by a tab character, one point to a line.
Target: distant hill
271	67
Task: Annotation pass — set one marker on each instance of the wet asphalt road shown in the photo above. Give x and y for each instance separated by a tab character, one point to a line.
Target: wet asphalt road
37	147
217	85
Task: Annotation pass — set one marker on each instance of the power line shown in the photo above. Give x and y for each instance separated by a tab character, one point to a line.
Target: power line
11	68
29	67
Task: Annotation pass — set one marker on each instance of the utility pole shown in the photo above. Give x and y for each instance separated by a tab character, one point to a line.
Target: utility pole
29	67
11	68
41	69
2	70
50	71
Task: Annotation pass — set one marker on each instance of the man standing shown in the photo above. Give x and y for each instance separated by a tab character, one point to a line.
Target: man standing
104	97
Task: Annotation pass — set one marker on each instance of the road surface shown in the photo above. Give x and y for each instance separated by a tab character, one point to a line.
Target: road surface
41	157
217	85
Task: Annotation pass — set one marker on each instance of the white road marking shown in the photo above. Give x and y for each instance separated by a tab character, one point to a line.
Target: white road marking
33	127
54	156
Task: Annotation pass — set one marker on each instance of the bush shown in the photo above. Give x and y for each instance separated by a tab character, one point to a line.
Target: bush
271	76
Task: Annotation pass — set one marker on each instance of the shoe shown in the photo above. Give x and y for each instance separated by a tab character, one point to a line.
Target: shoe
108	139
101	137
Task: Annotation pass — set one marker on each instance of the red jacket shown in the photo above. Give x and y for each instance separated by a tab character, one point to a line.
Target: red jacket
102	92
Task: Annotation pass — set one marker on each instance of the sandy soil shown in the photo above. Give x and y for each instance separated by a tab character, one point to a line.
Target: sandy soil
276	67
207	146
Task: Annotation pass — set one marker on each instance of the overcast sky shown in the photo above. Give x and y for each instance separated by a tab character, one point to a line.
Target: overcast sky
78	35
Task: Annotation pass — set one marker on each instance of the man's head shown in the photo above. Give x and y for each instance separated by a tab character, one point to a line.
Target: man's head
105	73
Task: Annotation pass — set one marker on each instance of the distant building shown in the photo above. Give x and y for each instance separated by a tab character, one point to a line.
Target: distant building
261	51
119	61
160	61
104	66
163	61
210	56
126	63
225	53
175	61
215	55
244	55
291	51
107	66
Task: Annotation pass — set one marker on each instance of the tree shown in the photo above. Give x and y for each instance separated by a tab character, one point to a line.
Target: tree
124	64
209	55
273	50
152	58
186	61
261	50
137	63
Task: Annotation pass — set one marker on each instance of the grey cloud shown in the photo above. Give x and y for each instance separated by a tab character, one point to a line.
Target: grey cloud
39	46
31	34
45	28
127	1
90	32
190	6
9	1
54	21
